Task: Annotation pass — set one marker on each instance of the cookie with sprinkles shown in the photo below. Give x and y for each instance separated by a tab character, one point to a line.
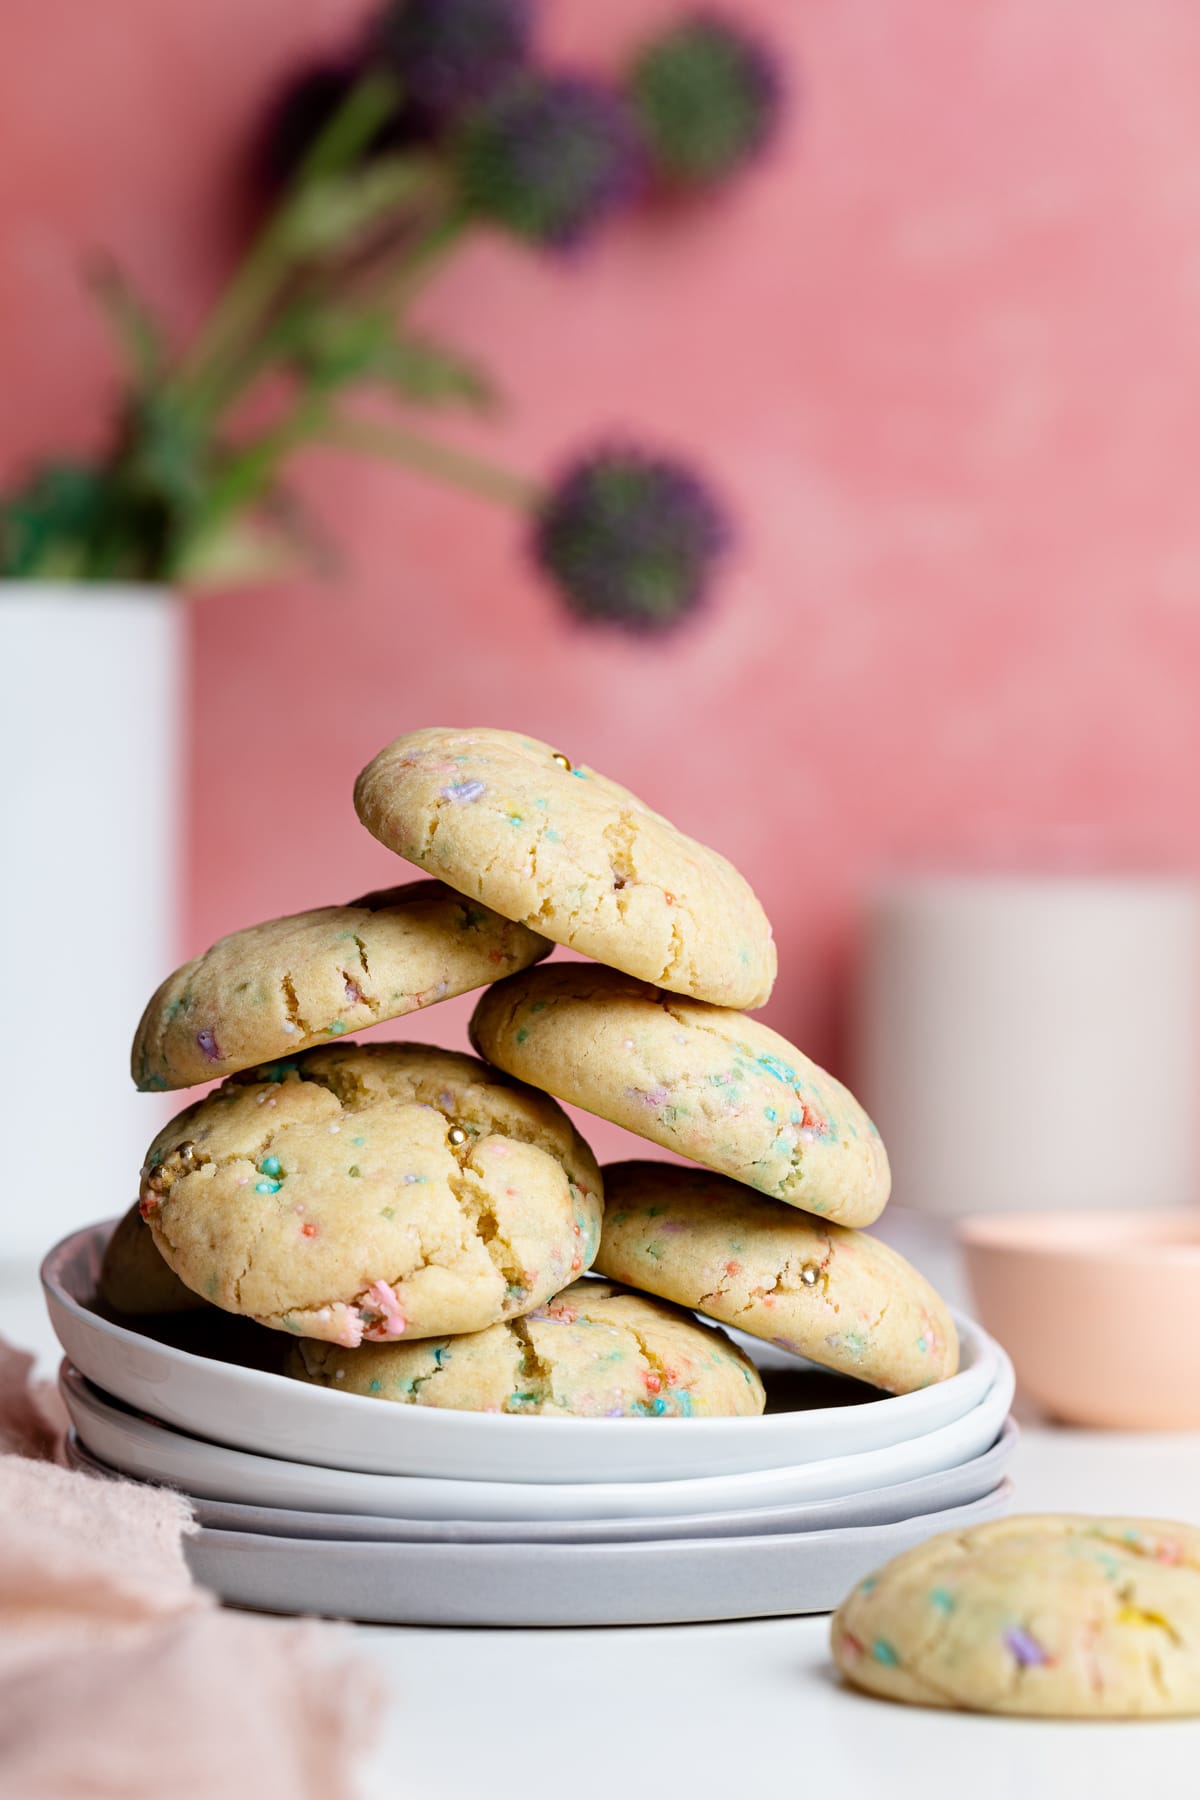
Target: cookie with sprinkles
373	1191
836	1296
1054	1616
594	1351
276	988
702	1080
572	854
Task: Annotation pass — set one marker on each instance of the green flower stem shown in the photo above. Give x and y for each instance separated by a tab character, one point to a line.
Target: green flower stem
246	480
247	476
423	261
457	468
270	263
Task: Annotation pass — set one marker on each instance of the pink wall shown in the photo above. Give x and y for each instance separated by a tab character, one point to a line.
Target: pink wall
942	353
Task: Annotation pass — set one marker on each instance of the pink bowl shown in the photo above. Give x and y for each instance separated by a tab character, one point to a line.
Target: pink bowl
1100	1312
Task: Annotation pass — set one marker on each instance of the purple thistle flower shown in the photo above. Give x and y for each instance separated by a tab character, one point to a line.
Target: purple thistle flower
630	539
452	54
708	97
550	157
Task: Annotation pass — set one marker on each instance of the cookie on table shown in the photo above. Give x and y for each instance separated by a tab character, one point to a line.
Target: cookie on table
276	988
594	1351
134	1279
373	1191
836	1296
574	855
708	1083
1066	1617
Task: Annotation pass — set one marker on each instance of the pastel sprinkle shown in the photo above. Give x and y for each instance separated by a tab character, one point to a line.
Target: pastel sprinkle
392	1322
1026	1649
269	1166
458	791
941	1599
885	1653
208	1043
266	1187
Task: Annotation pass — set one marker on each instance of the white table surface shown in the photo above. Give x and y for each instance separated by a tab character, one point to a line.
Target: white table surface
748	1708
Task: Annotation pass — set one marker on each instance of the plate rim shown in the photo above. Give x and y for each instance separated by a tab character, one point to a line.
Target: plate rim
514	1429
1002	1449
94	1397
635	1546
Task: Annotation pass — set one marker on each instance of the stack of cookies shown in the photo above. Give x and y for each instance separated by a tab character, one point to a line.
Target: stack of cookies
422	1222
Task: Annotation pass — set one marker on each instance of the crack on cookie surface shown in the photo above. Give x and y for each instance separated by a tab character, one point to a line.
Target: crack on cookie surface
359	1082
477	1206
536	1374
291	1005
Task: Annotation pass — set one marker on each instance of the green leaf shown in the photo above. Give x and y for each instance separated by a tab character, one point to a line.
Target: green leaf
426	372
333	213
137	333
47	529
243	550
278	538
337	347
165	454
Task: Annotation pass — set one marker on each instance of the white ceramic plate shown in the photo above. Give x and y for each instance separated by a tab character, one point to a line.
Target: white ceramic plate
972	1481
650	1583
138	1445
255	1409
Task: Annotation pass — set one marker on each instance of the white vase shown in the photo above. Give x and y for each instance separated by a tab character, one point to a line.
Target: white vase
91	729
1033	1043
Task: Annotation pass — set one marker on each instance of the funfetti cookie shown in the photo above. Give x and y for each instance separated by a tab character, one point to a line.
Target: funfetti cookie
1063	1617
836	1296
134	1279
517	825
594	1351
701	1080
276	988
374	1191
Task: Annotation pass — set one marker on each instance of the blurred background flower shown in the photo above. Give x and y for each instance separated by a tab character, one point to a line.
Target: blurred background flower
707	94
381	162
630	539
550	158
448	55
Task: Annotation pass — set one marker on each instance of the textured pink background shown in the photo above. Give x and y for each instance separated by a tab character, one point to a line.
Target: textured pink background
942	353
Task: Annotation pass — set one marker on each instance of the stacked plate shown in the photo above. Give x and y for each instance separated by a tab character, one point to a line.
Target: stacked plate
314	1501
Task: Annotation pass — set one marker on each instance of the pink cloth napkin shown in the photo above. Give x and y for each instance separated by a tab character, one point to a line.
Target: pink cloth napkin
119	1676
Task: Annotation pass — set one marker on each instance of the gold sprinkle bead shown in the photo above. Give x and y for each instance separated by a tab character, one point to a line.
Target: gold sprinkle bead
810	1274
187	1151
456	1136
564	762
156	1178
